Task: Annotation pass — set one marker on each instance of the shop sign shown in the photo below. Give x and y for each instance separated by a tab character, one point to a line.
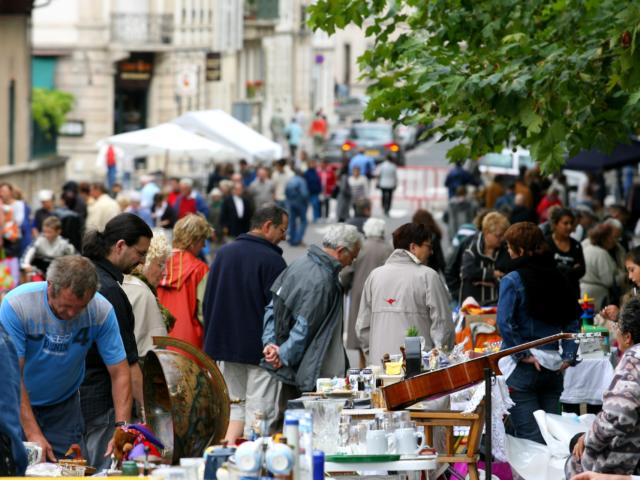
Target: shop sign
72	128
187	81
213	67
135	72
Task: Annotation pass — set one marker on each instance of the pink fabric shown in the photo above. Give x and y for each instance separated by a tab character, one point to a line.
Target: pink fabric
502	470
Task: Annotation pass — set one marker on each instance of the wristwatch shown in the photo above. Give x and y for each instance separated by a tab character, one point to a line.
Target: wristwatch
120	424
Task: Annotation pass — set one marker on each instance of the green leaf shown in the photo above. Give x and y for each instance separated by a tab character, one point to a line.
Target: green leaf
459	153
530	120
634	97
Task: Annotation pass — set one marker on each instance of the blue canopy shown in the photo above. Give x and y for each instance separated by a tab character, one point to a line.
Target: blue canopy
595	160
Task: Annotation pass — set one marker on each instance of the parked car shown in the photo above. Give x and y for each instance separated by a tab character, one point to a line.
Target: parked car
508	162
377	139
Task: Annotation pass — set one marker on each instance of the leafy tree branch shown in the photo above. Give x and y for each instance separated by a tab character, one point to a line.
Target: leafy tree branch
554	76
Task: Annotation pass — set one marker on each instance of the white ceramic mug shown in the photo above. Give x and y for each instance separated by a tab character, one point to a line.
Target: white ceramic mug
249	457
377	442
406	441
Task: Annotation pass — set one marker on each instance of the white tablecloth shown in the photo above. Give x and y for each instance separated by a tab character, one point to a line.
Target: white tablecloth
587	381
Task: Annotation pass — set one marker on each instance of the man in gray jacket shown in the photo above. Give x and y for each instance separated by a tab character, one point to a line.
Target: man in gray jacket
404	293
302	335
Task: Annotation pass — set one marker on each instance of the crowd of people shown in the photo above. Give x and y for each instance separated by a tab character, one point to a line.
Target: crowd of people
122	267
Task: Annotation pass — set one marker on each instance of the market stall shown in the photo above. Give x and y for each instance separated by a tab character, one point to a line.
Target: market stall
372	422
222	128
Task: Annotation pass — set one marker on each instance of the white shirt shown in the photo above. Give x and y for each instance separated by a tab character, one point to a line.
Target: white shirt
387	175
237	201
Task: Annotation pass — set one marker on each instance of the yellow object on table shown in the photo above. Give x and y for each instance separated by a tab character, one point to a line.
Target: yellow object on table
393	368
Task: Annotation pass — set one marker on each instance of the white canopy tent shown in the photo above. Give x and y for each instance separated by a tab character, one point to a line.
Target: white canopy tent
223	128
170	140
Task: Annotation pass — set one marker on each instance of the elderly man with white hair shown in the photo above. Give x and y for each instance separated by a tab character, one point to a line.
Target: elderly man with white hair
189	200
302	334
373	254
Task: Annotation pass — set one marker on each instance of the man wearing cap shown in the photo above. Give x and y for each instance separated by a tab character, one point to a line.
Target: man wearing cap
45	210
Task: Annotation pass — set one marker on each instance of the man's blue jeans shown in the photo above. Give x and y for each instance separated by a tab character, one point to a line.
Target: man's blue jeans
297	222
532	390
314	200
111	177
62	424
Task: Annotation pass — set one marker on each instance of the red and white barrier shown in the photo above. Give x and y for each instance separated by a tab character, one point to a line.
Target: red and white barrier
422	187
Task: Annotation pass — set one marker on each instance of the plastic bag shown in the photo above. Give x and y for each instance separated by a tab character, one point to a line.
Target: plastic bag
526	457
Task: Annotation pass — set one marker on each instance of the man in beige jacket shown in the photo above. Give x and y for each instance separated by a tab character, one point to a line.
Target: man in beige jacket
404	293
102	209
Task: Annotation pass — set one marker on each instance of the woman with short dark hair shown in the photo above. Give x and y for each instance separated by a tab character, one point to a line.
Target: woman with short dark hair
533	304
436	260
566	251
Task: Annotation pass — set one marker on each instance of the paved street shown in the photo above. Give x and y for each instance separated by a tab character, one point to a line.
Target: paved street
429	153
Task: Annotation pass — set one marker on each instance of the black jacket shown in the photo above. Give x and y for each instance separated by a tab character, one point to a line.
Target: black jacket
229	216
95	391
238	290
477	271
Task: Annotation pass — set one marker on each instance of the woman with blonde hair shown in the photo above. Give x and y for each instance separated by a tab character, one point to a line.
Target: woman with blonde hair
484	261
183	283
151	317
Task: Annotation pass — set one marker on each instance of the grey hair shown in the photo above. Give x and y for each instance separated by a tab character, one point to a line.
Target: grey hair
342	235
374	228
159	249
614	222
74	272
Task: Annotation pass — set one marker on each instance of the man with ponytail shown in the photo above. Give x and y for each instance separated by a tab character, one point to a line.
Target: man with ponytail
115	251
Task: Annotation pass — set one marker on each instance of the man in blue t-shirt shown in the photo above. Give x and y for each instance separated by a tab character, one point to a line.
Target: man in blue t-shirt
364	162
53	324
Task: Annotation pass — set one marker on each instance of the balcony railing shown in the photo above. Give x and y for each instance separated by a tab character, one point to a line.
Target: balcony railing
261	9
142	28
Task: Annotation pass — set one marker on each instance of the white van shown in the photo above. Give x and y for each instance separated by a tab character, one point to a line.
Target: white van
507	162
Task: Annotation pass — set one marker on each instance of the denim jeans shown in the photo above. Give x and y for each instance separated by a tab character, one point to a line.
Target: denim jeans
297	222
532	390
61	424
111	177
314	200
99	431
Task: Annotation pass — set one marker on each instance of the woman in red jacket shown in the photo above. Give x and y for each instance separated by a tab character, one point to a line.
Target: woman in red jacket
183	283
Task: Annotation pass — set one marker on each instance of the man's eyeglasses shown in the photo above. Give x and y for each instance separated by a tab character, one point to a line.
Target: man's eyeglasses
140	254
